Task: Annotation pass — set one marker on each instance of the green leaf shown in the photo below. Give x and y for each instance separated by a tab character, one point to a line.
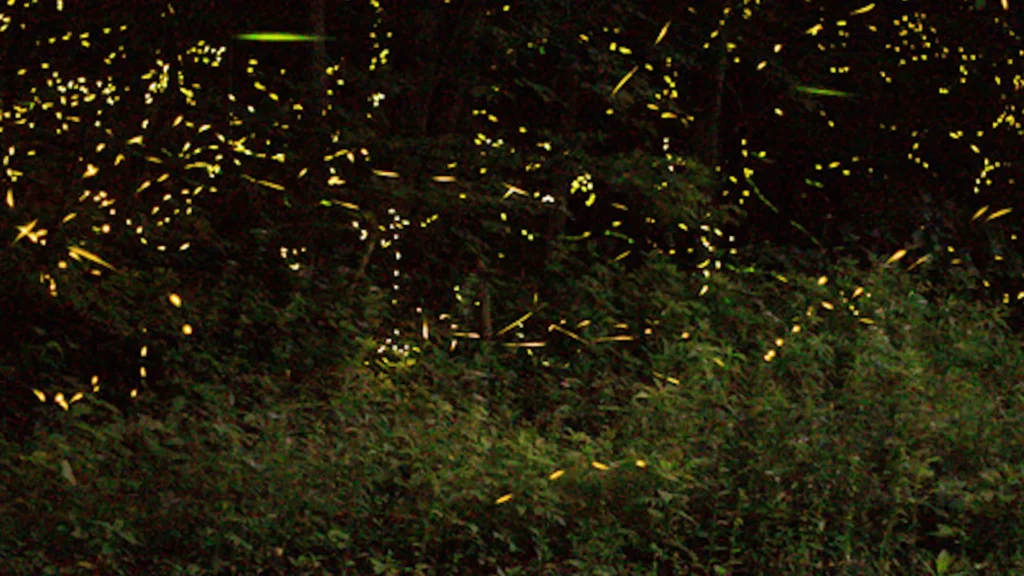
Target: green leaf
943	562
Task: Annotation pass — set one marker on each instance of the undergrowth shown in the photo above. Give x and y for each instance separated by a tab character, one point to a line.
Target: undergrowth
888	446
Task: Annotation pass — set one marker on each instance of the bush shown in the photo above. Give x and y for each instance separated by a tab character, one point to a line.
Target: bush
859	447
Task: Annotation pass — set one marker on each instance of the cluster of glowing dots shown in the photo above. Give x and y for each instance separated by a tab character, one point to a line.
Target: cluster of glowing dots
74	93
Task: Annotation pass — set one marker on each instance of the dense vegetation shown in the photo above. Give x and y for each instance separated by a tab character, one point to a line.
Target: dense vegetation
553	287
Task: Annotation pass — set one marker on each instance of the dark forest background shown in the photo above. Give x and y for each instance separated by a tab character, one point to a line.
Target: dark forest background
581	227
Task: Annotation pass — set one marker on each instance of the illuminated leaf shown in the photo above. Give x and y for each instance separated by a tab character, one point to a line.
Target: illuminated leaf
67	473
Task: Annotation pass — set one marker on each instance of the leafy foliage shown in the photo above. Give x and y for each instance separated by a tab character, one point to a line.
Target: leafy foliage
479	262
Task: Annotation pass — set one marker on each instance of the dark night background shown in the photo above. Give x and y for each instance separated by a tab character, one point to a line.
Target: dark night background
289	194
